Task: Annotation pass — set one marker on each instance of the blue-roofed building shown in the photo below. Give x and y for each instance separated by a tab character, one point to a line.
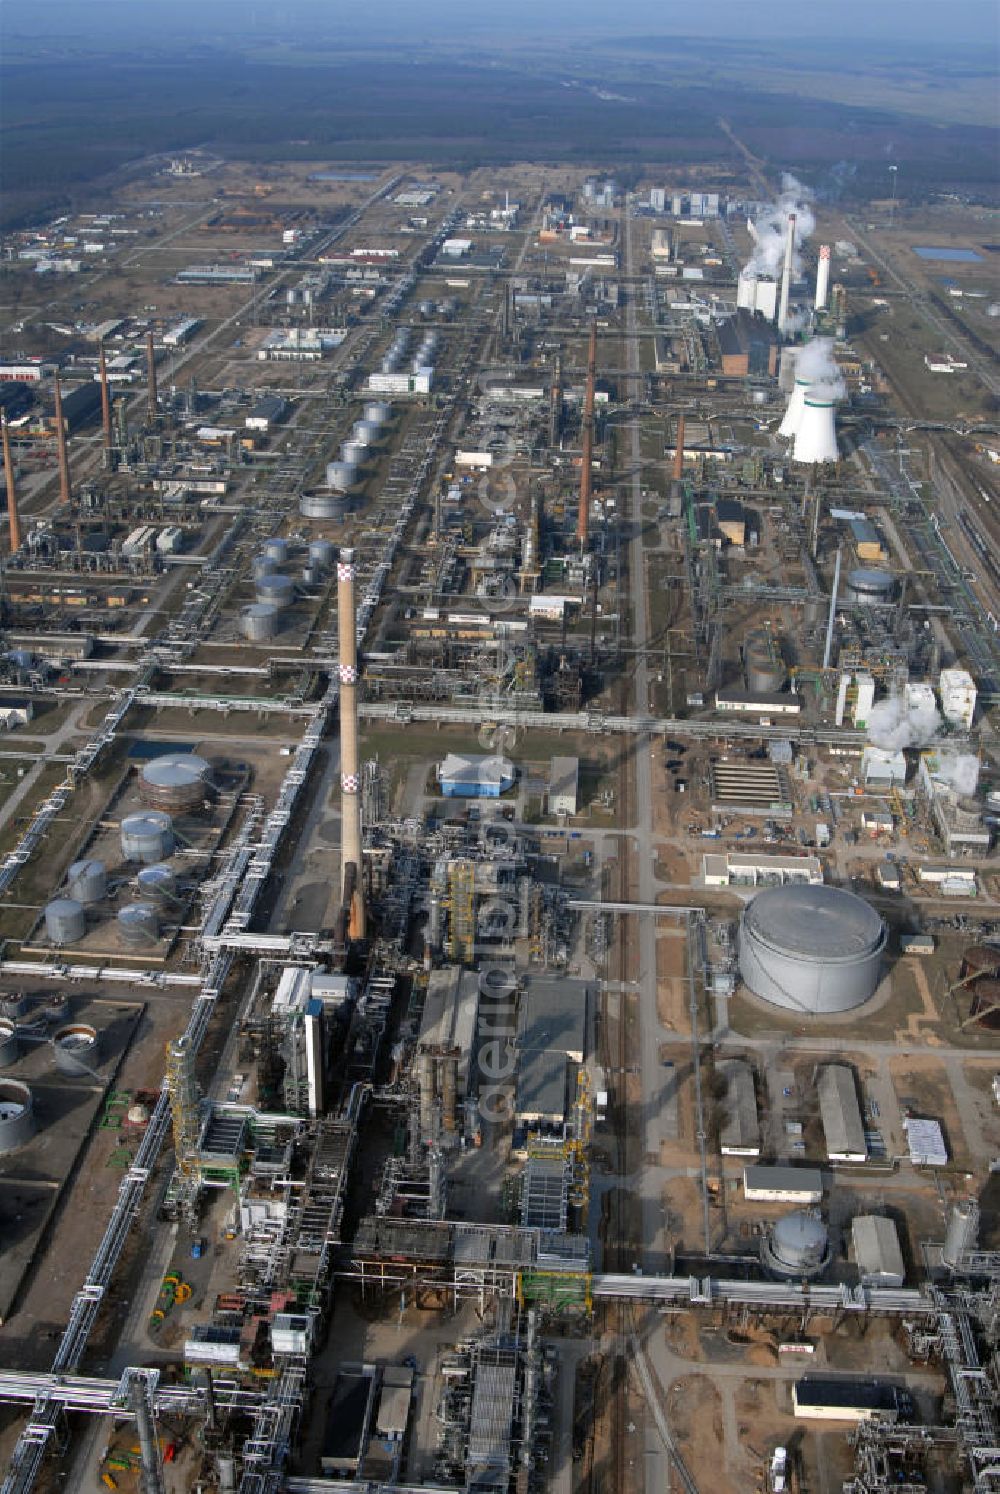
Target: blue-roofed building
475	777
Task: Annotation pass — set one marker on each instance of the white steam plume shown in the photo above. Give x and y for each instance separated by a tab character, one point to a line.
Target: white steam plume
894	723
960	769
815	362
769	229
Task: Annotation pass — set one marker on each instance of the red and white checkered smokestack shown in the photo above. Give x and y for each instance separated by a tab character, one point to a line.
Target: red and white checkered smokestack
786	276
823	277
351	882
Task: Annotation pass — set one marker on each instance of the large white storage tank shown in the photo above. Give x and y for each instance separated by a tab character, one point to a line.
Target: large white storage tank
811	949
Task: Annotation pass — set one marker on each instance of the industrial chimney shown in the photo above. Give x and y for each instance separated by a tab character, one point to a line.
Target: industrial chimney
105	403
587	461
351	883
154	407
816	434
823	277
786	275
65	491
13	518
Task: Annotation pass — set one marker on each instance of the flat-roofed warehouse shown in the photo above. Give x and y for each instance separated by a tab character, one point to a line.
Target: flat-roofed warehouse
841	1114
876	1251
551	1032
740	1132
782	1184
817	1398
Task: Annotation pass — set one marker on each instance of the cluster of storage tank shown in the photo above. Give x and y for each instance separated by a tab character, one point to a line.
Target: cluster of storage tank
261	620
342	474
423	358
178	782
146	837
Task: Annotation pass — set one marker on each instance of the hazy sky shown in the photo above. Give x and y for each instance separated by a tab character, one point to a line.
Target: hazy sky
954	25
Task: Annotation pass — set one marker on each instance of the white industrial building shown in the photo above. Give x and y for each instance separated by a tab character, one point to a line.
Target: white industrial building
740	869
958	697
778	1184
926	1142
840	1113
881	768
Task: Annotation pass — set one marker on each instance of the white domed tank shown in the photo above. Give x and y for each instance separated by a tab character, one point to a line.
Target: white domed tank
147	837
365	430
377	412
276	550
796	1246
325	505
139	924
17	1115
320	554
87	880
10	1048
812	950
260	566
340	476
259	621
354	452
867	586
77	1049
278	590
65	921
158	882
177	782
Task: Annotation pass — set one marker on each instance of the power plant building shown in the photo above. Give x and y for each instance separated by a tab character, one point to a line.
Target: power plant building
814	950
841	1115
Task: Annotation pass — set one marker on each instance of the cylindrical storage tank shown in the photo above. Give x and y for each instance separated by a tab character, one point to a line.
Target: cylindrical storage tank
364	430
868	587
377	412
176	782
962	1231
259	621
139	923
9	1045
354	452
87	881
65	920
158	882
341	475
15	1006
147	837
320	553
321	505
985	1004
795	1246
56	1009
762	661
17	1116
811	949
77	1049
276	550
426	308
261	565
981	959
311	575
278	590
968	812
